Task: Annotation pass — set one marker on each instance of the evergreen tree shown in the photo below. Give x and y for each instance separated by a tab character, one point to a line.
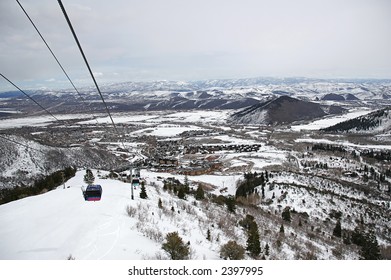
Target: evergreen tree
286	214
200	194
247	222
267	249
232	251
175	247
338	229
160	203
253	243
370	249
186	184
89	177
143	192
181	193
357	237
230	202
282	228
208	237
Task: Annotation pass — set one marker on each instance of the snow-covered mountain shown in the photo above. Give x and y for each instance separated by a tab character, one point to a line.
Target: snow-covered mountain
374	122
23	164
281	110
211	94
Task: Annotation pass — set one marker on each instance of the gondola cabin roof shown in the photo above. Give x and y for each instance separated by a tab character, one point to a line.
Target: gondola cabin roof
94	188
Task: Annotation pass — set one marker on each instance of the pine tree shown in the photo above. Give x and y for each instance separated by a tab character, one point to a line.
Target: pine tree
143	192
338	229
286	214
230	202
200	194
267	249
186	184
247	222
208	237
89	177
282	228
253	243
175	247
160	203
370	249
181	193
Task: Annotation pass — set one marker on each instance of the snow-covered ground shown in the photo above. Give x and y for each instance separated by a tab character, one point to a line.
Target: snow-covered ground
59	223
166	130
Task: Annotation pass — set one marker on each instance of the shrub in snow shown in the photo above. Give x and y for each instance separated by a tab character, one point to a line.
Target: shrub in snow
131	211
232	251
175	247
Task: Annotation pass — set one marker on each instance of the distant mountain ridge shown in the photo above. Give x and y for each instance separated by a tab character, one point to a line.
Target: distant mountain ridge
199	95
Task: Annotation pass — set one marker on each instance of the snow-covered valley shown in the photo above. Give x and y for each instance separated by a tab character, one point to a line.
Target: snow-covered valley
322	179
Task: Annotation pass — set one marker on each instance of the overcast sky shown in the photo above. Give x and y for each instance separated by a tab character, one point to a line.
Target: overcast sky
138	40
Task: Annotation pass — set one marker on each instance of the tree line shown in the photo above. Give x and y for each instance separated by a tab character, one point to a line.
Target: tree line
39	186
250	183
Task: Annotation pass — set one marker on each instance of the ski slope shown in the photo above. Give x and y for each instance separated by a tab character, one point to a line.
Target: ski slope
60	223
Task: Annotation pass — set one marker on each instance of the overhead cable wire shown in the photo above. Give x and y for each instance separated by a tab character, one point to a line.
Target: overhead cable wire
54	56
32	99
88	66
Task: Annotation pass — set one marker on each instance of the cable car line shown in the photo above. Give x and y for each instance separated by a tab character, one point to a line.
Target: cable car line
54	56
88	66
32	99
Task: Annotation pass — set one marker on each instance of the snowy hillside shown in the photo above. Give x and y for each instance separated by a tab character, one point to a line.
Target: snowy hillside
103	229
22	164
375	122
87	230
281	110
319	179
60	224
